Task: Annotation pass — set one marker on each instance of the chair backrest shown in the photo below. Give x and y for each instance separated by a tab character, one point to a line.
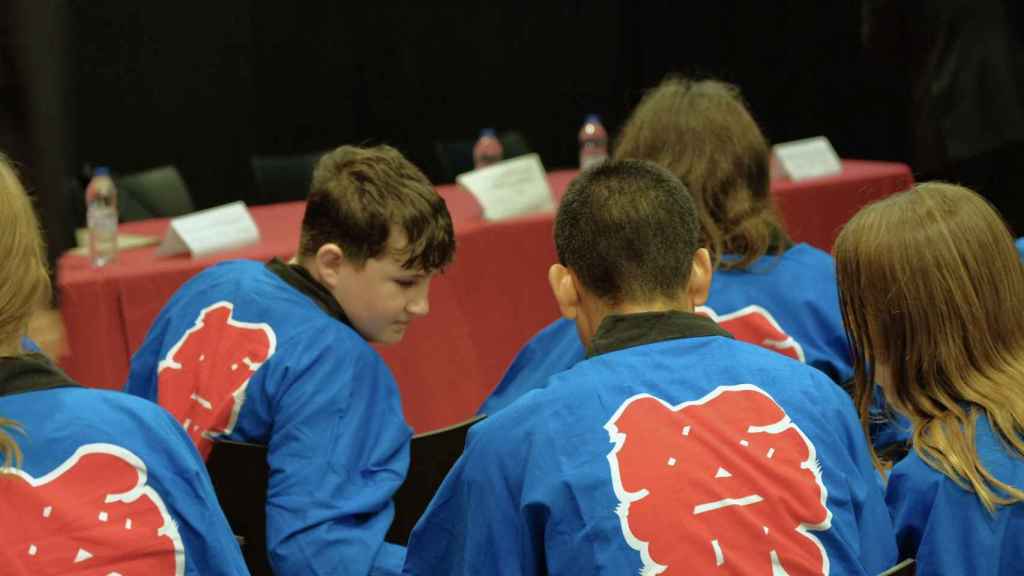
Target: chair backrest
283	178
456	156
239	474
156	193
431	455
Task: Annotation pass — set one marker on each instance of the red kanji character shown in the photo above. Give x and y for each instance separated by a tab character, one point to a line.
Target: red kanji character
202	380
723	485
92	515
756	325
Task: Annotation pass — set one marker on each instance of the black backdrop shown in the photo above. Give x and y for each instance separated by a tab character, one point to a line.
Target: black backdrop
206	85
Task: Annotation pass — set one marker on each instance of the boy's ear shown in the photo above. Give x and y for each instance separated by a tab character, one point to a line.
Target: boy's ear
700	277
328	263
563	287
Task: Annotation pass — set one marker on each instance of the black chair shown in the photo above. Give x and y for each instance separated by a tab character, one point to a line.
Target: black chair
239	473
283	178
456	156
157	193
431	455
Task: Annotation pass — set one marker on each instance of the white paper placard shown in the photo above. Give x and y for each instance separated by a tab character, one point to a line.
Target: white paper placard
211	230
510	188
808	158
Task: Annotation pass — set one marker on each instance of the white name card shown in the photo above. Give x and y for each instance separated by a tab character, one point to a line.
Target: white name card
808	158
208	231
510	188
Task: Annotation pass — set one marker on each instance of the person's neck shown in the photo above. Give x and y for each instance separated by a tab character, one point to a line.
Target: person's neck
663	306
307	266
597	310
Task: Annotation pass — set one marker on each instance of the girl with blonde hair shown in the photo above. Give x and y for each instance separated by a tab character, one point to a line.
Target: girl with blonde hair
100	481
931	289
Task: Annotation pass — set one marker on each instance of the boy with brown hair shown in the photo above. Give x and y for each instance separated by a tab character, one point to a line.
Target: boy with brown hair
278	354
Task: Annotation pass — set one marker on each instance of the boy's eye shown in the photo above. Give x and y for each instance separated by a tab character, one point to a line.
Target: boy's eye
406	282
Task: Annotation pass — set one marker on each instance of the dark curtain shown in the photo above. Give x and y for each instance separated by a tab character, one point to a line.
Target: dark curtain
207	85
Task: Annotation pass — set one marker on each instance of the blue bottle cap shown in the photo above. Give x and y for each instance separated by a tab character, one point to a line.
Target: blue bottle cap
101	171
487	133
592	119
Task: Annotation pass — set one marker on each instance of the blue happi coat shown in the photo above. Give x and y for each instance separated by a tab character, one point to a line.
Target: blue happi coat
109	484
674	449
263	353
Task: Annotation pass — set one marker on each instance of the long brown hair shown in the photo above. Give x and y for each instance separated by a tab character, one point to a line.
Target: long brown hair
931	287
702	132
24	280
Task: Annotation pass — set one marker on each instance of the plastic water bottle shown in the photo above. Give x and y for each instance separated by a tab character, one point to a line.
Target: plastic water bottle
101	217
487	149
593	142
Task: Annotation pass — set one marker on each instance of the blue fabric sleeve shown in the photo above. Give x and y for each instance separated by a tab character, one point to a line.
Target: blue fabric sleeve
1020	247
210	546
338	451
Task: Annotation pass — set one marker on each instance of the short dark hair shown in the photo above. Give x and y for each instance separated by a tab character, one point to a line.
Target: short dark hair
359	194
629	230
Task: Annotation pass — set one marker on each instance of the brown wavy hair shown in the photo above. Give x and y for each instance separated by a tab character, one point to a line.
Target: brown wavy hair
931	285
359	194
703	132
24	278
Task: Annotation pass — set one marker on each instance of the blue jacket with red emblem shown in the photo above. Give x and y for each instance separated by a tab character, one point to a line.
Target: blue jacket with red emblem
108	484
674	449
263	353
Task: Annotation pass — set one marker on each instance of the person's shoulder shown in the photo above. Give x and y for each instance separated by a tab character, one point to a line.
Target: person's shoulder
229	269
810	260
806	253
799	265
509	426
914	477
112	401
114	415
783	374
557	329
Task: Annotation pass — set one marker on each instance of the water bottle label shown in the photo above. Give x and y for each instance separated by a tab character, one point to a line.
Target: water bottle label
102	218
102	222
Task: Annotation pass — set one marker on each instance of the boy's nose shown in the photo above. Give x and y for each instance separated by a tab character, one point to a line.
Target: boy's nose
419	306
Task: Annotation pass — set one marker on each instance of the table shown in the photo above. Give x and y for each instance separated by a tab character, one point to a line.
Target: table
487	304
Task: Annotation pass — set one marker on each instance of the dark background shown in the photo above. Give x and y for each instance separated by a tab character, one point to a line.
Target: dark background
206	85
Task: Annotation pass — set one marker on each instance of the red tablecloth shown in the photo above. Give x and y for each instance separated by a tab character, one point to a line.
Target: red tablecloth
493	298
